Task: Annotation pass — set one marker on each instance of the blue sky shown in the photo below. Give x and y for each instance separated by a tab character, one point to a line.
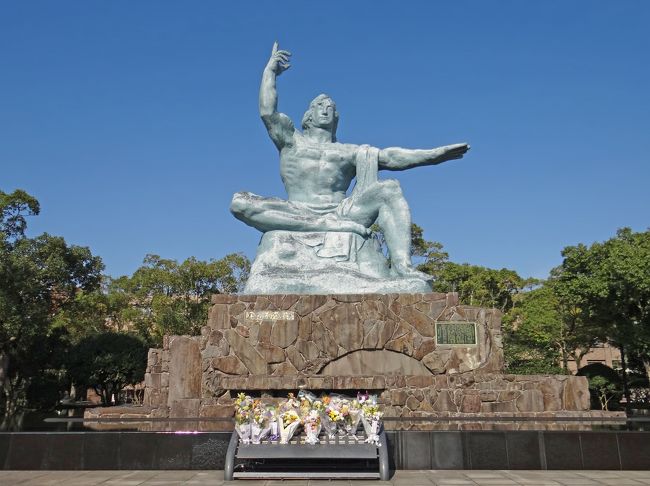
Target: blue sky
133	123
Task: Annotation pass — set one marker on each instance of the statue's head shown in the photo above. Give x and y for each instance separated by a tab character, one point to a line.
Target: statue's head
321	113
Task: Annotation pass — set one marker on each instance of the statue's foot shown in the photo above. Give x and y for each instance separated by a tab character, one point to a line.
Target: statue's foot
406	270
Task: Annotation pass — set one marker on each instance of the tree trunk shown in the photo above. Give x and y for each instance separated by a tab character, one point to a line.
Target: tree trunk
646	365
578	358
565	357
4	368
12	418
626	389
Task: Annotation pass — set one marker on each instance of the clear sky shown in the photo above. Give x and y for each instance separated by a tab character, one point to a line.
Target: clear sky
134	122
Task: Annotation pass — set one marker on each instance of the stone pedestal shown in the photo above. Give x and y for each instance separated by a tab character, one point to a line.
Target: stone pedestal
424	354
301	262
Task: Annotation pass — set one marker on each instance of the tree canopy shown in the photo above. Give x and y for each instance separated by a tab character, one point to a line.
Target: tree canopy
39	277
108	362
165	297
608	284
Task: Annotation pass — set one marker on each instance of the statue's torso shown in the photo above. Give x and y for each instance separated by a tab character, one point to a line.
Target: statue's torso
317	173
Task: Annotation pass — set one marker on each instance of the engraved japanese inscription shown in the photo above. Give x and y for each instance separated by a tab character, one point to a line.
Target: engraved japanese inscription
258	316
456	333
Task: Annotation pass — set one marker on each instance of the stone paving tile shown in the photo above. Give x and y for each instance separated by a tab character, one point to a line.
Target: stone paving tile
400	478
18	477
132	475
51	477
163	482
409	478
407	482
486	475
619	481
598	475
204	482
359	482
279	482
175	475
325	482
452	482
125	480
210	474
501	480
572	481
539	482
43	480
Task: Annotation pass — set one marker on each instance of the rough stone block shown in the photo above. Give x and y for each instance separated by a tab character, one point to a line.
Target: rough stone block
185	361
470	404
217	411
284	333
576	393
271	353
309	303
218	317
530	401
152	380
184	408
419	320
398	397
444	402
345	325
241	348
230	365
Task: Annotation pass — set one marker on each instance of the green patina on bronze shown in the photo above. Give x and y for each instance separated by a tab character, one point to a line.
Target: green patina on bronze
318	240
456	333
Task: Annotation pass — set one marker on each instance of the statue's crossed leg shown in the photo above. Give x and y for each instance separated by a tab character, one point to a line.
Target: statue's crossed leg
381	202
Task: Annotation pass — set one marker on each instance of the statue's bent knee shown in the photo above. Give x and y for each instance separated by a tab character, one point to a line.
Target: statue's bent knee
240	204
390	189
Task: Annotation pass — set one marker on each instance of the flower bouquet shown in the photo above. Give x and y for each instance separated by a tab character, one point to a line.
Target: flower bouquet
312	424
243	413
351	410
274	433
331	416
371	419
260	422
288	422
291	403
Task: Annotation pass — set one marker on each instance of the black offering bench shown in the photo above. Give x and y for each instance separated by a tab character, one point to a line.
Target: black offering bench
329	459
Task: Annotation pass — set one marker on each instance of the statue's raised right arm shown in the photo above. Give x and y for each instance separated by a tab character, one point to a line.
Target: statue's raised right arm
279	125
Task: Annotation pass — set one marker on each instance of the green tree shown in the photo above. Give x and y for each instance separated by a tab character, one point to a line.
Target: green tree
165	297
481	286
39	277
605	385
13	209
609	284
540	333
431	255
108	362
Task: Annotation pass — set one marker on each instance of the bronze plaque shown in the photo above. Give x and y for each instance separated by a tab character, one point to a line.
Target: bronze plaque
456	333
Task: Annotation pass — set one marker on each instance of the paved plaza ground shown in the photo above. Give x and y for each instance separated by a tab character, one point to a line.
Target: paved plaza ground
400	478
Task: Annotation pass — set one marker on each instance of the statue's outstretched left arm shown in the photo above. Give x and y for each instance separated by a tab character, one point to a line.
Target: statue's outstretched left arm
396	158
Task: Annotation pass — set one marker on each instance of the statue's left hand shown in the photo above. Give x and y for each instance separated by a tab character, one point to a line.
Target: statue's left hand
452	152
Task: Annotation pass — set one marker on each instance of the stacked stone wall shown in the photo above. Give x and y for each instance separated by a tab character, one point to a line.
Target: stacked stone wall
270	345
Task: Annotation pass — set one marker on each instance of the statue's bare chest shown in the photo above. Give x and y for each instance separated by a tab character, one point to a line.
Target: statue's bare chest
326	165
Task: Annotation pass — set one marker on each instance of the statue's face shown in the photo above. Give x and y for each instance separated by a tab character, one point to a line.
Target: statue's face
322	113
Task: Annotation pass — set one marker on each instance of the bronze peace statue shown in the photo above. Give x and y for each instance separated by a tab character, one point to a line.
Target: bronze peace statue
318	241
